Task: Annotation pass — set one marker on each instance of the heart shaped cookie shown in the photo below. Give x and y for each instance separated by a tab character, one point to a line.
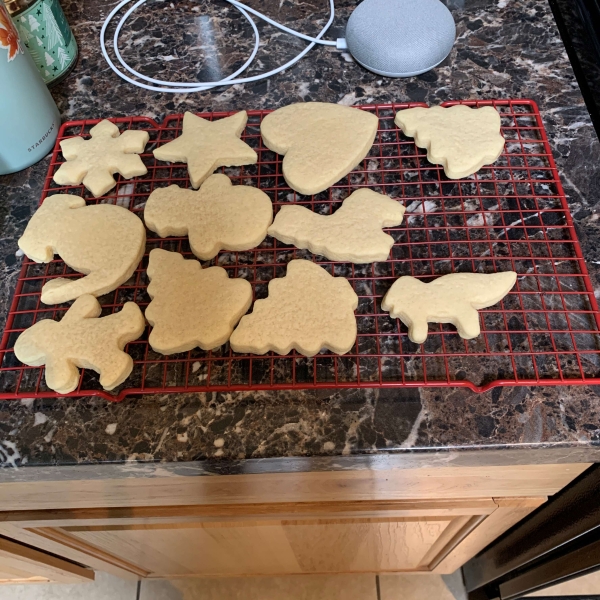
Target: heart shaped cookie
321	142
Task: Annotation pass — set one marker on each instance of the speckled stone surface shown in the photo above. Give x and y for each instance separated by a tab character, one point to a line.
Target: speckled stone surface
504	49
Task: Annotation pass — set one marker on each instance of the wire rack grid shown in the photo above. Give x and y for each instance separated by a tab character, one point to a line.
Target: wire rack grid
511	215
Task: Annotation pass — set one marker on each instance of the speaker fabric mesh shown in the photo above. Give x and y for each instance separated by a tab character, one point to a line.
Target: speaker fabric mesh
400	38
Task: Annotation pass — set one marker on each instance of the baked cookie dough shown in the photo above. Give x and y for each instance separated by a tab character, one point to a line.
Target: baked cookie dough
352	233
82	340
460	138
217	216
453	298
207	145
192	306
104	241
321	142
307	310
93	162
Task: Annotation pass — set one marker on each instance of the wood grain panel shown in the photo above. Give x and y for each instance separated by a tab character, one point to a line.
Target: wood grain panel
299	546
328	486
510	511
18	563
363	546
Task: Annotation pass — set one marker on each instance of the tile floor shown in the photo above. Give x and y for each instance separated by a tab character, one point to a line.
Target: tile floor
302	587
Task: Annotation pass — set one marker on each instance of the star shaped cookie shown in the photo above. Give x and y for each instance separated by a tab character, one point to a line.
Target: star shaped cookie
207	145
93	162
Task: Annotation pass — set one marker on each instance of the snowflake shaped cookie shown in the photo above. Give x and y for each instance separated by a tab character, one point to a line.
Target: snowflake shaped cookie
93	162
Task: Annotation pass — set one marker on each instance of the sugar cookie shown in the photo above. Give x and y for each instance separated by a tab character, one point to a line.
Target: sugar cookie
207	145
308	310
104	241
192	306
82	340
217	216
321	142
452	298
352	233
94	161
459	138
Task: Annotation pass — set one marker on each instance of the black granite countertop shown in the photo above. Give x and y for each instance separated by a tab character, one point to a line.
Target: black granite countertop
504	48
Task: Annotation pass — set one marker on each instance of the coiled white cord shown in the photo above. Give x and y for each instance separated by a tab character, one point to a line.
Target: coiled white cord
197	86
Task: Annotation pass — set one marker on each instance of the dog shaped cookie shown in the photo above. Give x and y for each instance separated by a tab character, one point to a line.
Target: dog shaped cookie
452	298
82	340
103	241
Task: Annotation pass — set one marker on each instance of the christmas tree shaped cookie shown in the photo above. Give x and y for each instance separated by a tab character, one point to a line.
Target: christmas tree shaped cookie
352	233
217	216
459	138
192	306
321	142
308	310
93	162
104	241
207	145
82	340
453	298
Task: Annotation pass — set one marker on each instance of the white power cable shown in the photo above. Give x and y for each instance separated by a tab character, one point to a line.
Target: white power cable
197	86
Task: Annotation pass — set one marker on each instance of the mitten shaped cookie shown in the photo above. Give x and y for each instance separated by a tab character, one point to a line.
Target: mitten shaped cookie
94	161
459	138
453	298
308	310
352	233
207	145
218	216
192	306
82	340
321	142
104	241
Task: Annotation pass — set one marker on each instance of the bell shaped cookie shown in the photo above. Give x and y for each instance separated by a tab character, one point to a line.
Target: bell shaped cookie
192	306
82	340
453	298
460	138
321	142
104	241
218	216
207	145
352	233
307	310
93	162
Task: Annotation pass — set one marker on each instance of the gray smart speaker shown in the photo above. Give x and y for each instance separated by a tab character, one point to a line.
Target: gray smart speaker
400	38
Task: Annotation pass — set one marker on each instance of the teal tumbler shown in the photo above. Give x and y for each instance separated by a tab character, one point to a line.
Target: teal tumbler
29	119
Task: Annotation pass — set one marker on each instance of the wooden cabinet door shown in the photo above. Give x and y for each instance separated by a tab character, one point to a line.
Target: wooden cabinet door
320	538
21	564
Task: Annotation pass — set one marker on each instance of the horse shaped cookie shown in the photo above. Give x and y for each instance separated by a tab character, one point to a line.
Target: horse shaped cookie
453	298
82	340
104	241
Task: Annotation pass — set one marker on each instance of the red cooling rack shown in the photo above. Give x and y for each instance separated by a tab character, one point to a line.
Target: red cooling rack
511	215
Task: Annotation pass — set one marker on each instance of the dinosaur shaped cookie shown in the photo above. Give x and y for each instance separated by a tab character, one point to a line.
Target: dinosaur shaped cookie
192	306
352	233
82	340
207	145
453	298
104	241
459	138
308	310
217	216
93	162
321	142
